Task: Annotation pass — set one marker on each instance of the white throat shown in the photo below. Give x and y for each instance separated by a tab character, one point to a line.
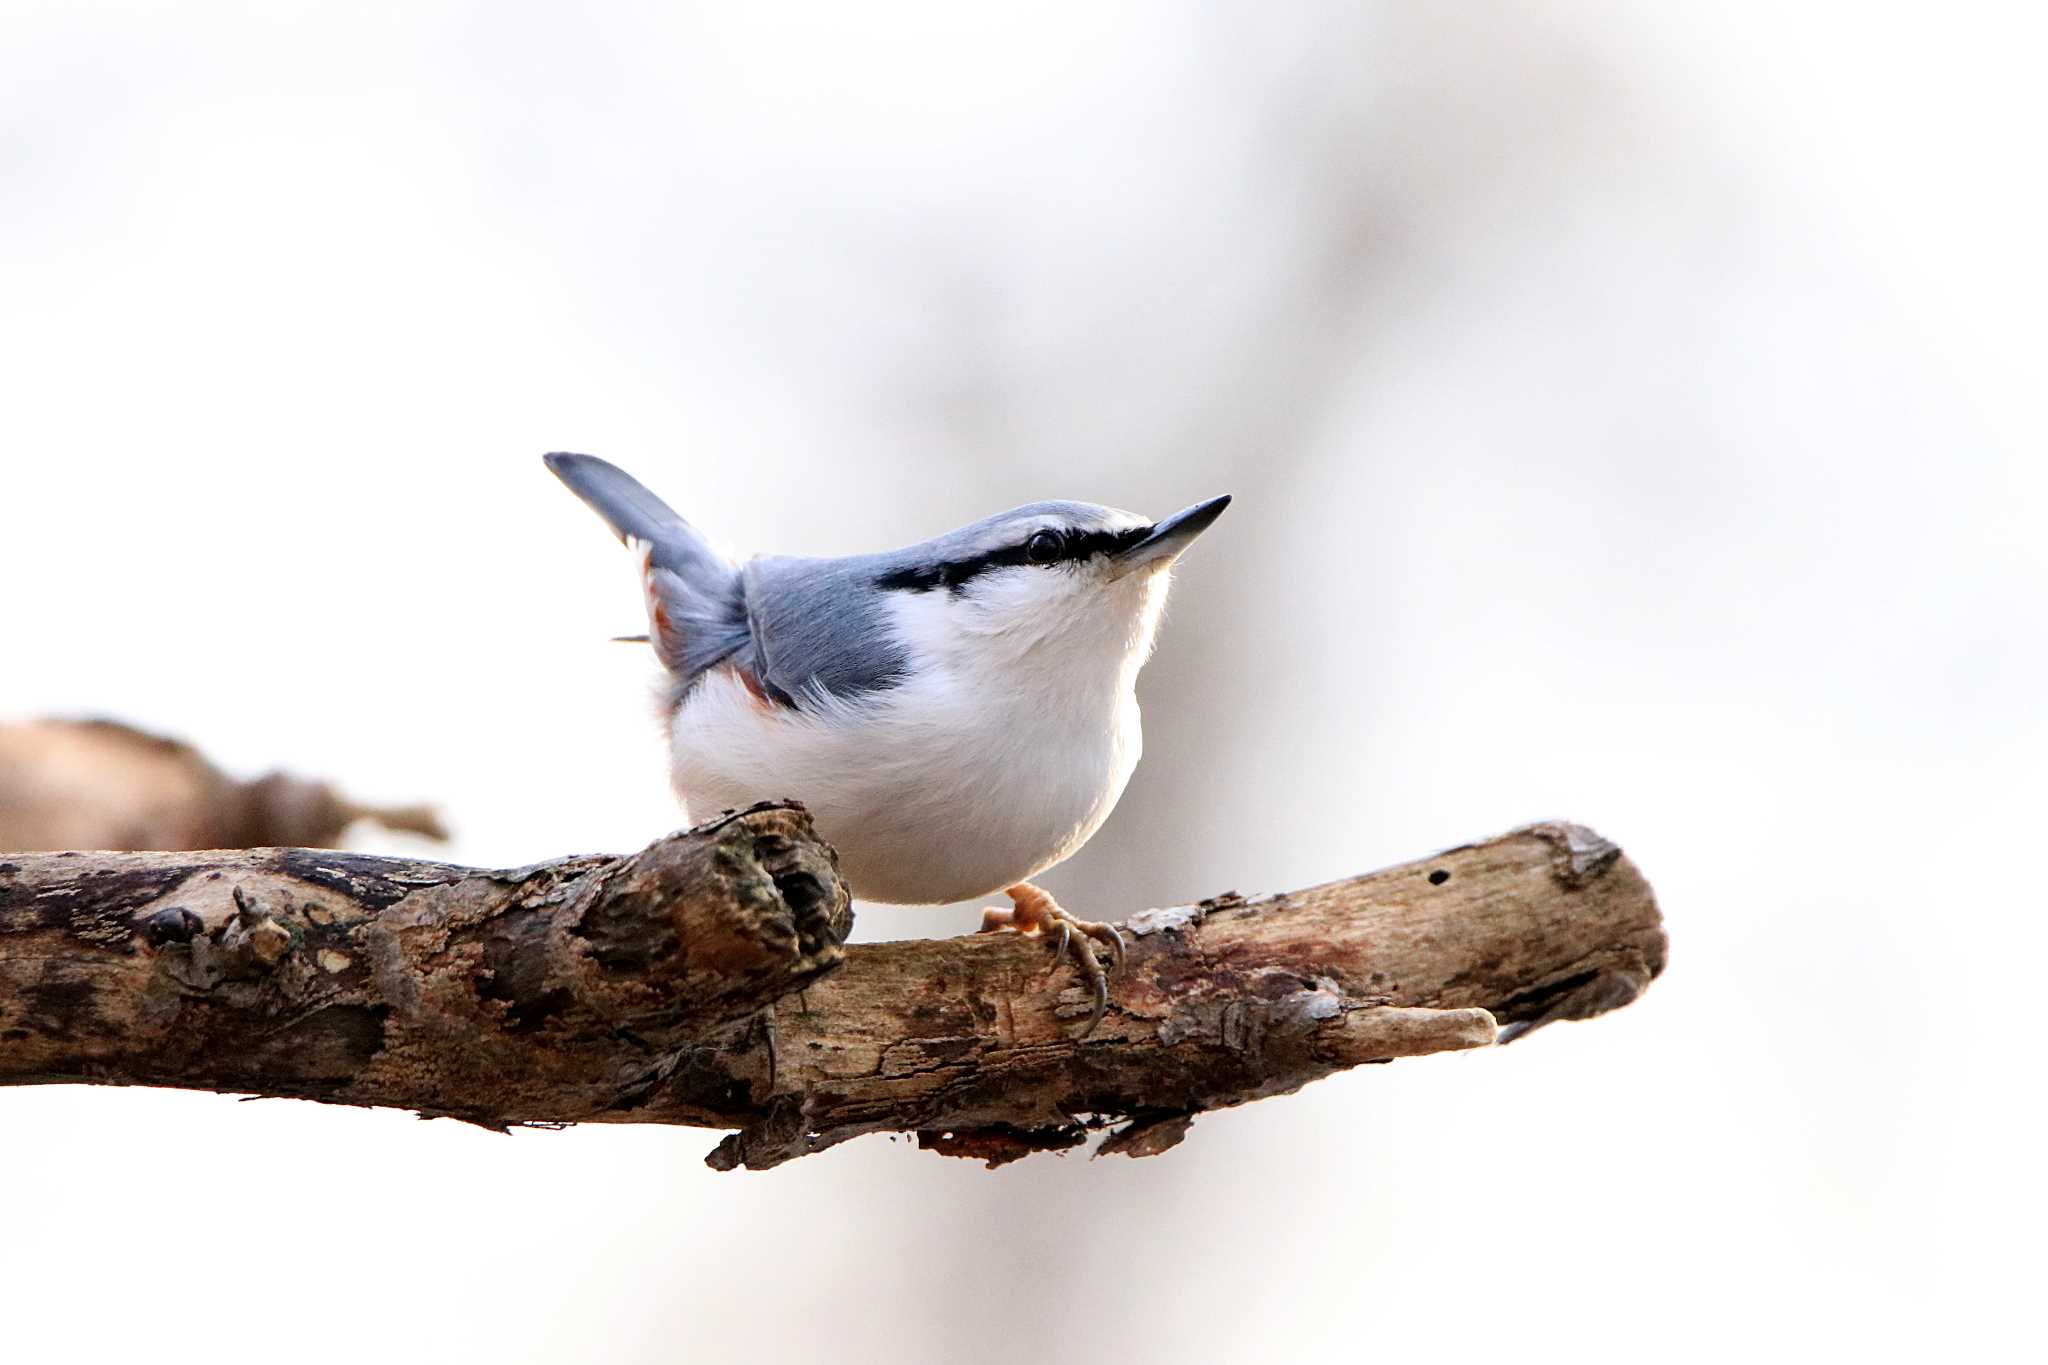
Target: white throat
1089	638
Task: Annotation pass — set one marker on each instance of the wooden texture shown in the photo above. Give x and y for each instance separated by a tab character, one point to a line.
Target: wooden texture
694	983
75	784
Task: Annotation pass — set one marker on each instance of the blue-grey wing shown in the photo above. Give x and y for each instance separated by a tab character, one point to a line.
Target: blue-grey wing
696	603
818	626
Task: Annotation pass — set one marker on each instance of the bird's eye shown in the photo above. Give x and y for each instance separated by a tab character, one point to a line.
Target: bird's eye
1044	547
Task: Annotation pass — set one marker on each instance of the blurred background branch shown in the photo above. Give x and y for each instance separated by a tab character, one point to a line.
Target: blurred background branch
100	784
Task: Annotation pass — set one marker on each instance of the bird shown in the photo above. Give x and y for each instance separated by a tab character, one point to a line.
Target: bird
957	715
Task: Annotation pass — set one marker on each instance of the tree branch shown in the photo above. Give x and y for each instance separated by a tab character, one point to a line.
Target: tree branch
644	988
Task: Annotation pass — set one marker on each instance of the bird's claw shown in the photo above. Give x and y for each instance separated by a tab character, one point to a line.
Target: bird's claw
1038	915
1112	936
1082	952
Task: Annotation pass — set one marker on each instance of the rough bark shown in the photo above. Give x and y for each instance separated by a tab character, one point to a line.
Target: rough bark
552	993
69	784
644	989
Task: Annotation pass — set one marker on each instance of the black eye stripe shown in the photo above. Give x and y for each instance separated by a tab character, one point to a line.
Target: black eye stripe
955	574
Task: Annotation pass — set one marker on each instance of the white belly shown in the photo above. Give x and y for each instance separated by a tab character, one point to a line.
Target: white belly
931	792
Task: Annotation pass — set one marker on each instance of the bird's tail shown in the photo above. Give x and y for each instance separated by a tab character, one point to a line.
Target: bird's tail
696	608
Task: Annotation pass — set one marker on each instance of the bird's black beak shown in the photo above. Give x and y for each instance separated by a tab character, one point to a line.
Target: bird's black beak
1165	541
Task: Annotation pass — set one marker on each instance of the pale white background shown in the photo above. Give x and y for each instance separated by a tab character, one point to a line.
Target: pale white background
1633	416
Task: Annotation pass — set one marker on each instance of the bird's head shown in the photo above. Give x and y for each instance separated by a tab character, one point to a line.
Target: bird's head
1070	582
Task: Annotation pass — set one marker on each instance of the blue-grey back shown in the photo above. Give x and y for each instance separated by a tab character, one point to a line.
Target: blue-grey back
819	624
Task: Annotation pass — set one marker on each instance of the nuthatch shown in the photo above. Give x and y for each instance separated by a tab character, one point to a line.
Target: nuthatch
958	715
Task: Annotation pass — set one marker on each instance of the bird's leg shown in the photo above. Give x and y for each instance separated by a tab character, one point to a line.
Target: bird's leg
1034	912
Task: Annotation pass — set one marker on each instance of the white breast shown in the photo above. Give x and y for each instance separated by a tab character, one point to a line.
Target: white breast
995	760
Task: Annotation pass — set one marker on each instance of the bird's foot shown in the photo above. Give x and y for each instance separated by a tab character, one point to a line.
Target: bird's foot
1037	914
